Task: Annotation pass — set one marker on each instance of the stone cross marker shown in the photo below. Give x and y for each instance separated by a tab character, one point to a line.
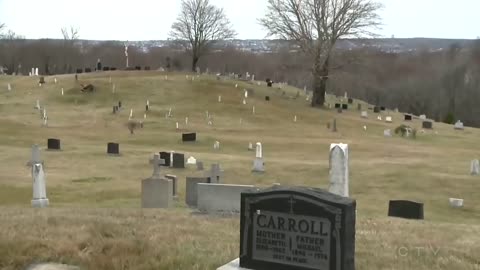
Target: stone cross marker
215	174
156	162
296	228
39	189
339	170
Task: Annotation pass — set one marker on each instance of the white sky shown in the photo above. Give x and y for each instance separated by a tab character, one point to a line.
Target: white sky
152	19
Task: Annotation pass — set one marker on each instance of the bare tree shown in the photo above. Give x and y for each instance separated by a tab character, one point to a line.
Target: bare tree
198	26
70	36
316	25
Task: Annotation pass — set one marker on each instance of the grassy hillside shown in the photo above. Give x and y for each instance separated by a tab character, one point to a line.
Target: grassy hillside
95	219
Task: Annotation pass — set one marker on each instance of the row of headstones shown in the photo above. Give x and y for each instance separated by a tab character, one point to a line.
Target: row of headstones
88	70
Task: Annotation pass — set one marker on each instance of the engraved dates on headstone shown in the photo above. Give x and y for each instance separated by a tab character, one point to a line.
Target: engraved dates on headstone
296	229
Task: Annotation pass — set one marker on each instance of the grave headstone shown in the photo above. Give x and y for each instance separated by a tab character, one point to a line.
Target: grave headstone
405	209
376	109
350	101
258	163
53	144
344	106
267	98
388	119
359	107
387	133
408	117
334	129
189	137
339	175
166	157
296	228
199	166
178	161
40	199
113	149
455	203
364	114
427	124
216	145
157	192
215	174
173	178
382	108
475	167
191	161
423	117
338	105
220	198
458	125
191	192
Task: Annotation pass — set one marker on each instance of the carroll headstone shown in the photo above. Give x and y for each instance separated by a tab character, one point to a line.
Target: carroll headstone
297	229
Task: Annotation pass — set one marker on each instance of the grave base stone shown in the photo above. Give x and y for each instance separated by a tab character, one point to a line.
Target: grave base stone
220	198
40	203
258	165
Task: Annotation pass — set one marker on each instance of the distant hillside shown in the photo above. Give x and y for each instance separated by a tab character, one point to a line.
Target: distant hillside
395	45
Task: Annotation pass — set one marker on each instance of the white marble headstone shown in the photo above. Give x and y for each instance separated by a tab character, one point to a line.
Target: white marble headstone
339	176
9	87
62	91
191	161
423	117
244	102
219	98
475	167
40	199
364	114
258	163
216	145
459	125
388	119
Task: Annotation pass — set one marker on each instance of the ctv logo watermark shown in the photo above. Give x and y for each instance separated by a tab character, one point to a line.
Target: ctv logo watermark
420	251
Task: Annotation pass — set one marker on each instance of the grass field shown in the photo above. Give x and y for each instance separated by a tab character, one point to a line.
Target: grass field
95	220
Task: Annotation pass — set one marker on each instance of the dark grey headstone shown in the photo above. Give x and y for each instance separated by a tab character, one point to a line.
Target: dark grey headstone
376	109
344	106
189	137
427	124
191	189
297	228
113	148
267	98
338	105
53	144
382	108
408	117
350	101
178	161
405	209
166	157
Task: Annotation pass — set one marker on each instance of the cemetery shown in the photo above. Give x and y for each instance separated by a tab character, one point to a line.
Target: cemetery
203	174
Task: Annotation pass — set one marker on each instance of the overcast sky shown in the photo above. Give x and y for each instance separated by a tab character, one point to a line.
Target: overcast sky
152	19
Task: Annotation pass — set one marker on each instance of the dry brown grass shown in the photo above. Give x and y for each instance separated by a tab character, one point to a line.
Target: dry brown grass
95	218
